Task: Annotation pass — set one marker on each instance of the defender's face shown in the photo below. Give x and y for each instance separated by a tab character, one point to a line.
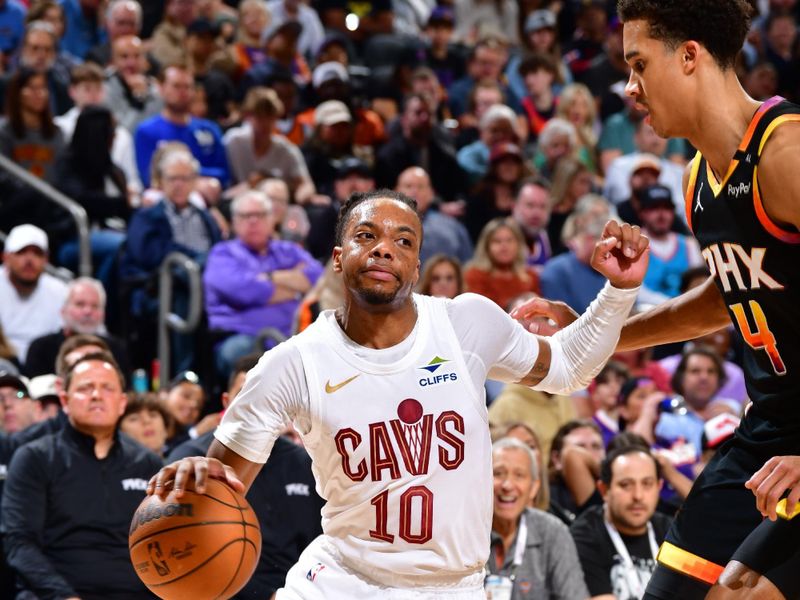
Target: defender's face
379	255
656	82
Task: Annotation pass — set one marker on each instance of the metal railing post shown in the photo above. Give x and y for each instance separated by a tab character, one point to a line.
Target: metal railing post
168	320
76	211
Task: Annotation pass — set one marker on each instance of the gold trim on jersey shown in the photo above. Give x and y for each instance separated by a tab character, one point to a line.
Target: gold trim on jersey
698	158
690	564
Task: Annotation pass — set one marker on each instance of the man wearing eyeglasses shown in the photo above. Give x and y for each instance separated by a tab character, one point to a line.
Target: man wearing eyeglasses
254	281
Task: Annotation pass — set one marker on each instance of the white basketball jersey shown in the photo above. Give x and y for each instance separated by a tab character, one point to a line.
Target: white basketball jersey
401	452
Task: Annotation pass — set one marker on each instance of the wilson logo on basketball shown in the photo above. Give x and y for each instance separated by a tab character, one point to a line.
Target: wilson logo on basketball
151	513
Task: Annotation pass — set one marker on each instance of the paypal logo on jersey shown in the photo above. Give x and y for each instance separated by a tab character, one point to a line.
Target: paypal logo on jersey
738	190
436	378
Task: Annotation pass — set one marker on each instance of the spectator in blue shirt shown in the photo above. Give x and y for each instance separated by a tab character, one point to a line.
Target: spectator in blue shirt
175	123
83	30
254	281
569	277
12	27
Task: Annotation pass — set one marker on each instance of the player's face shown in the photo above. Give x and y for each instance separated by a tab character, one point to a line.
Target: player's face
632	495
514	486
656	81
379	256
94	399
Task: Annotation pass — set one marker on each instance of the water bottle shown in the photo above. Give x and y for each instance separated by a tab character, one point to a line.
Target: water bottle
139	381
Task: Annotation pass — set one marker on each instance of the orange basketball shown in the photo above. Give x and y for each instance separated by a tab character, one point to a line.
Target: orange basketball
197	546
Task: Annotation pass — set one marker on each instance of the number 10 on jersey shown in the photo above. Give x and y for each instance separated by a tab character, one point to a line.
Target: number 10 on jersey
417	499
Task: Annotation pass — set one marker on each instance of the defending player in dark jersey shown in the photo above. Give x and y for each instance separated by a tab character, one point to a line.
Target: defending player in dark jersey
743	204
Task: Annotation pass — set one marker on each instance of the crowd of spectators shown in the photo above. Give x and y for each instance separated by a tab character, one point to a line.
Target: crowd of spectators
231	132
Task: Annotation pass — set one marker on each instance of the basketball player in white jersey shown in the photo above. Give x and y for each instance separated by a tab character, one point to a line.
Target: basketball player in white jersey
387	392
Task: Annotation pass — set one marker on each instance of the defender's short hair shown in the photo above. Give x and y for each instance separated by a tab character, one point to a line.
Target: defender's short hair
719	25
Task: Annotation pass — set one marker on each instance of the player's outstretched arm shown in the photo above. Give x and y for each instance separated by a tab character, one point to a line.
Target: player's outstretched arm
568	360
698	312
193	472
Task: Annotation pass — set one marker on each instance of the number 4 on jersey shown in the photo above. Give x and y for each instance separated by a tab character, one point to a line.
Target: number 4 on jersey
762	338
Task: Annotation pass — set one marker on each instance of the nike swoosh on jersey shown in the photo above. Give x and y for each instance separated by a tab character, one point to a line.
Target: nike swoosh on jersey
332	388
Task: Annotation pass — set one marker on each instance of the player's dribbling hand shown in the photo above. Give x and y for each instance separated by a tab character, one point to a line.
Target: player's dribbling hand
622	255
778	475
192	473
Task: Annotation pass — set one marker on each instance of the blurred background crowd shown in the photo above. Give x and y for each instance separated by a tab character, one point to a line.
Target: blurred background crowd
206	146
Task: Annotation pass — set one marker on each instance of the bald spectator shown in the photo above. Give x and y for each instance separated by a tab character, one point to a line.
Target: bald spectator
132	93
168	44
83	313
30	299
176	123
443	234
123	18
420	143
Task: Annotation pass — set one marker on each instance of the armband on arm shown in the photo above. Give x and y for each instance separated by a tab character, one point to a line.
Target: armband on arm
580	350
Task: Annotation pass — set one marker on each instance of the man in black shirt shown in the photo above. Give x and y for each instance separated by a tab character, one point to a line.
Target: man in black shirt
84	313
69	497
283	497
618	541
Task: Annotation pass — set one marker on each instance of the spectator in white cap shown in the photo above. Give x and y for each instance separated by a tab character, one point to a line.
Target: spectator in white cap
30	299
312	35
331	81
331	140
44	389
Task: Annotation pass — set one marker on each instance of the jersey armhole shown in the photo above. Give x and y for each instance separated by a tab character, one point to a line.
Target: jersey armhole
477	397
690	187
789	237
